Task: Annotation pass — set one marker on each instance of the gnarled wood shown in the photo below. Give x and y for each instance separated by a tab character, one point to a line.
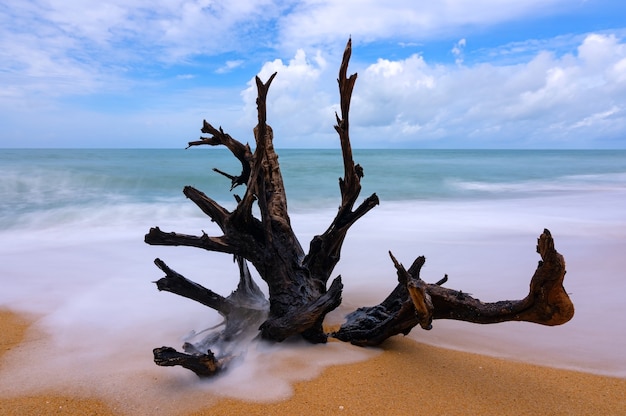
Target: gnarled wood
299	299
415	302
204	365
243	311
297	281
324	250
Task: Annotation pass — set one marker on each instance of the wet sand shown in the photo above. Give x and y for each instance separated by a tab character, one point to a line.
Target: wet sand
407	378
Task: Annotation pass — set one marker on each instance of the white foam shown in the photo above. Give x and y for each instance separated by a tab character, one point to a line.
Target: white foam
89	281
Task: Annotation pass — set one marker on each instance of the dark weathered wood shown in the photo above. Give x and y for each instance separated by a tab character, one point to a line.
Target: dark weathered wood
204	365
176	283
394	315
297	281
240	151
243	311
299	299
324	250
414	302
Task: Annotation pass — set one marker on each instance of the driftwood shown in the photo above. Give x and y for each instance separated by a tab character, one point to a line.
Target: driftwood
300	295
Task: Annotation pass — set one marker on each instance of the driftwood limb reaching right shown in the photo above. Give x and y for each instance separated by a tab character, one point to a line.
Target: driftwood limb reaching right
414	302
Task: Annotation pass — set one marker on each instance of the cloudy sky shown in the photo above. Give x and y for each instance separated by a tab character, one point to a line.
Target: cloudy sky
432	74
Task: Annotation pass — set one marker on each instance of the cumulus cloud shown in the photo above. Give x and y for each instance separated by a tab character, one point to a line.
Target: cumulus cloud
532	103
544	102
300	102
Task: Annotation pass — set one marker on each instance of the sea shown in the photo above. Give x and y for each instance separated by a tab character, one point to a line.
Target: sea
72	224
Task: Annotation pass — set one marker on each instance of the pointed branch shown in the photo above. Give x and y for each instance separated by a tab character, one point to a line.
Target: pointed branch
176	283
417	292
350	186
260	131
266	182
265	159
262	89
156	237
325	249
211	208
235	180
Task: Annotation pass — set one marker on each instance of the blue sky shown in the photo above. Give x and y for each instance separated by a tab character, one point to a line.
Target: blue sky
432	74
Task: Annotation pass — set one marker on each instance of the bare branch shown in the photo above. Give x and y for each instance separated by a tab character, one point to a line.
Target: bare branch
324	250
547	302
176	283
350	185
239	150
415	302
243	311
211	208
156	237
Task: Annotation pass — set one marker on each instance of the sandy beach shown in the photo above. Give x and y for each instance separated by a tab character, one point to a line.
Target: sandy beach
407	378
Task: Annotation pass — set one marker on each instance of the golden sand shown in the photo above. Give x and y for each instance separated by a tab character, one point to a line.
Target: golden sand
408	378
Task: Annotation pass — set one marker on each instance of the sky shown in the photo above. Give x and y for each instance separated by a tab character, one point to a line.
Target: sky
431	74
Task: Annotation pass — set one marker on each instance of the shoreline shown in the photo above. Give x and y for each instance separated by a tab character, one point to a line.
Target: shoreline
406	377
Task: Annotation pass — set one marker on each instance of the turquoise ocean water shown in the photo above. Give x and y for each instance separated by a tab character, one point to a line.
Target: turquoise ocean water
39	181
72	224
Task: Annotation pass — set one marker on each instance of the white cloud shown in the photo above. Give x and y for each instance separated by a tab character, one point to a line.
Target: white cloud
229	66
116	33
93	44
597	118
319	22
57	55
617	73
53	51
457	51
300	99
514	104
544	102
73	45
